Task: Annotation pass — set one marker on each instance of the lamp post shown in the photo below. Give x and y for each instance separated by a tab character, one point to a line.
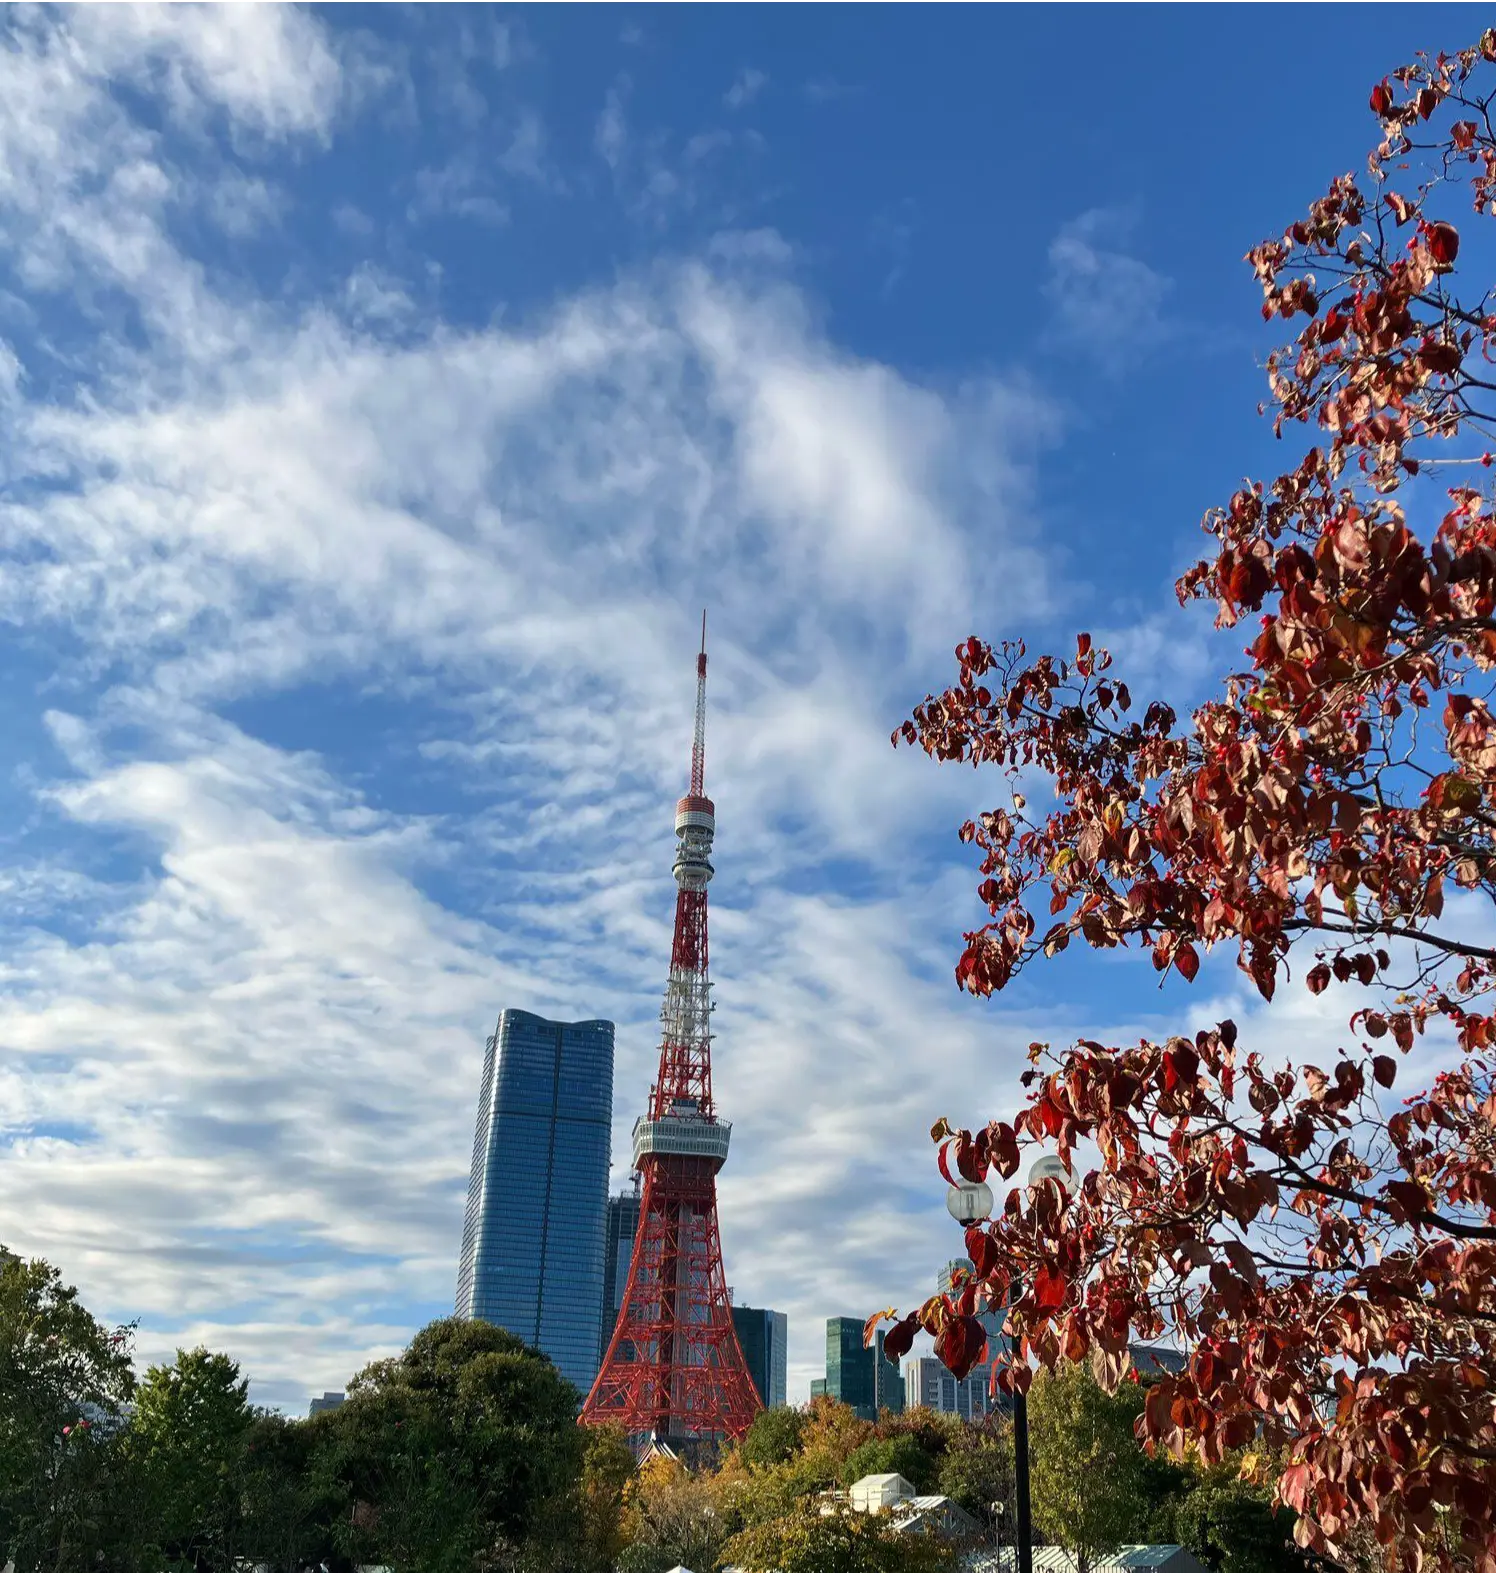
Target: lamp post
970	1202
1048	1168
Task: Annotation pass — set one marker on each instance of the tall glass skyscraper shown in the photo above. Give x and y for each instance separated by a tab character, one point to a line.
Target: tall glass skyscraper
532	1238
867	1379
763	1336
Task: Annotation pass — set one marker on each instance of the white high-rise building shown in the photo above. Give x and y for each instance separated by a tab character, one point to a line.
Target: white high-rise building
929	1385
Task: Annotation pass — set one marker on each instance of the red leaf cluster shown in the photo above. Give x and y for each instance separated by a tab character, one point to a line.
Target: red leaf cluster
1326	1252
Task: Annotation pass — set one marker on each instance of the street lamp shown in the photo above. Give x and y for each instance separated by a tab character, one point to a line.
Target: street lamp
999	1512
969	1202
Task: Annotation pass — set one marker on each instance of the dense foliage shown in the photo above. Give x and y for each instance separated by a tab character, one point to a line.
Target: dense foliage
1323	1236
462	1455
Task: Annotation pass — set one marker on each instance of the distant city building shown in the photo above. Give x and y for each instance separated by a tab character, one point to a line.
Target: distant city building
997	1348
534	1232
618	1253
818	1387
927	1383
762	1335
320	1406
866	1379
1151	1360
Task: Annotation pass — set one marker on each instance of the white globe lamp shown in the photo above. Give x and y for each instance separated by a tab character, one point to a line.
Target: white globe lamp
1051	1168
970	1201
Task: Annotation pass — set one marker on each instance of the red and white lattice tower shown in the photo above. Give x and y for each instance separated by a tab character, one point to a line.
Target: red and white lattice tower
674	1371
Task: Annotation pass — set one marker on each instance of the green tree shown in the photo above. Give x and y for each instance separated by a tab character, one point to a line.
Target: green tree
63	1380
1089	1477
187	1439
288	1524
893	1455
808	1541
451	1452
774	1436
1231	1526
976	1470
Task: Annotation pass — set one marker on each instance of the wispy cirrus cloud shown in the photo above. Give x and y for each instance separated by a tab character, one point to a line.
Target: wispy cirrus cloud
747	85
1108	304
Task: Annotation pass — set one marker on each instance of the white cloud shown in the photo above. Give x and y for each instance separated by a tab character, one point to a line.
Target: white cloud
244	205
460	188
373	296
1107	302
611	134
272	68
749	83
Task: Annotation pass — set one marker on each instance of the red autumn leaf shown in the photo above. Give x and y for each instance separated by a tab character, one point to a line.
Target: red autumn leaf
1187	961
1381	97
1384	1069
1002	1147
1402	209
899	1339
1443	242
960	1345
1048	1289
870	1326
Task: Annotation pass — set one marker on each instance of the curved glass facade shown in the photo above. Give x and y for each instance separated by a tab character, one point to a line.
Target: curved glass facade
533	1235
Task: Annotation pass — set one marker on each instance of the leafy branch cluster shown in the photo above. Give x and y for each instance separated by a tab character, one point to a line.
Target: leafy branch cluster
1328	1254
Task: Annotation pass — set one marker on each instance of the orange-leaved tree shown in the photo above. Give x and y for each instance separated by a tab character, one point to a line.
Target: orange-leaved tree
1321	1238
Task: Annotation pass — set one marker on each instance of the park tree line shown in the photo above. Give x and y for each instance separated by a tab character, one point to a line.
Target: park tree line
463	1455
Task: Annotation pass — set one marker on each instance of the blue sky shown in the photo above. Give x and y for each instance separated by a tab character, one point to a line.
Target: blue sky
383	392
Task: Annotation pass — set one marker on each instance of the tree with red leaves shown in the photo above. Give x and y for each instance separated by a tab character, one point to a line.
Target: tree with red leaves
1322	1238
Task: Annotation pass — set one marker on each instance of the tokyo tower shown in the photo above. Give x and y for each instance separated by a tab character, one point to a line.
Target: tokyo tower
674	1371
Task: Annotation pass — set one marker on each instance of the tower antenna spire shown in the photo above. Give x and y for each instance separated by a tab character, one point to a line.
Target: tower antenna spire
698	739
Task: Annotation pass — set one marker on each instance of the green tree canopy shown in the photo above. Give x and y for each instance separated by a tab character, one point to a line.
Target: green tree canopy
892	1455
808	1541
1230	1524
451	1450
1088	1474
774	1436
976	1470
187	1439
63	1379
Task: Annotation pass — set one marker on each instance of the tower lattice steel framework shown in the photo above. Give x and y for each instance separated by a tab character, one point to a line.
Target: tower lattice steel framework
674	1371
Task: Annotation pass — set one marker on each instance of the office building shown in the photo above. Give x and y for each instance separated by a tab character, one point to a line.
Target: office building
817	1387
533	1236
762	1335
1157	1360
320	1406
618	1252
927	1383
866	1379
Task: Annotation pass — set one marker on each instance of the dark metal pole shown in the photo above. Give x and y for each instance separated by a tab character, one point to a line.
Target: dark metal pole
1024	1527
